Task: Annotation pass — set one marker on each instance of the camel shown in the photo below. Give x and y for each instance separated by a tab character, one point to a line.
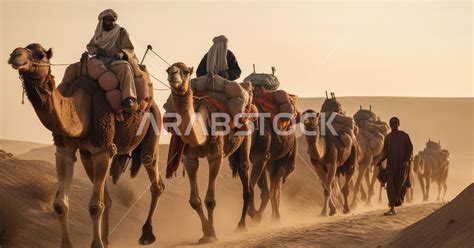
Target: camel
84	121
200	143
330	157
370	150
429	169
273	158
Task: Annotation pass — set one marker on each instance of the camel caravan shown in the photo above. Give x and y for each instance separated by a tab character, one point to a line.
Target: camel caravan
102	108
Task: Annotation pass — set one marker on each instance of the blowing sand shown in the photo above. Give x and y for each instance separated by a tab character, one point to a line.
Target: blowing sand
27	188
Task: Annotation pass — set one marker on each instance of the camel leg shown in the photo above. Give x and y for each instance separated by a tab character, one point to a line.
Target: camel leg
322	178
422	186
275	187
445	186
363	165
365	194
335	198
439	190
428	182
156	189
215	164
101	160
65	158
345	193
258	167
380	194
191	164
243	168
328	186
89	168
371	188
264	184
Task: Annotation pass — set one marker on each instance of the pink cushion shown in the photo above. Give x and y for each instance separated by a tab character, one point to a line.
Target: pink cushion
95	68
70	73
108	81
142	88
114	98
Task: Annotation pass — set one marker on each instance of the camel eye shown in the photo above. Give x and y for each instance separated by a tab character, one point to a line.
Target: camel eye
39	55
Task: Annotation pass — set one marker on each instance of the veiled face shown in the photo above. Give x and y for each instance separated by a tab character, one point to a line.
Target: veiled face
108	23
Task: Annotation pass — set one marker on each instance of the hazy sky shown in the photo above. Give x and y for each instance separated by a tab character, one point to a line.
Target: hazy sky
396	48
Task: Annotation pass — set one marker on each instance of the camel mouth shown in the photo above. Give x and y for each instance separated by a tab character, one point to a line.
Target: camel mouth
17	65
176	83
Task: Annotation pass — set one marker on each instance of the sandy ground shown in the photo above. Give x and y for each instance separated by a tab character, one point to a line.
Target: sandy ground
27	187
365	229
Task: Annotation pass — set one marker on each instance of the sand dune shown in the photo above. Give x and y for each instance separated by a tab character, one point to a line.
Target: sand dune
27	189
450	226
19	147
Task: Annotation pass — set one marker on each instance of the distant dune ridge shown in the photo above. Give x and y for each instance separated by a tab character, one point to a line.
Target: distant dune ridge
27	188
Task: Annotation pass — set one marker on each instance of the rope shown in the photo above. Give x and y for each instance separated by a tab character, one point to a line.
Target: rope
160	57
140	197
61	64
161	82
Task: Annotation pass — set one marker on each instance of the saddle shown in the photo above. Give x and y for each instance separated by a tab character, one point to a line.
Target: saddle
108	82
276	102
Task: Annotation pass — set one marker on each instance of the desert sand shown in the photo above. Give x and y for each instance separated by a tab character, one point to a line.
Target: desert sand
28	183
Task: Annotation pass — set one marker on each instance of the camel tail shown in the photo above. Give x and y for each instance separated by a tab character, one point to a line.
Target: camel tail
349	165
136	161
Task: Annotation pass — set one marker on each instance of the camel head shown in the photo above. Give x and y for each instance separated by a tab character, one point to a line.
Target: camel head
310	120
179	77
33	60
316	142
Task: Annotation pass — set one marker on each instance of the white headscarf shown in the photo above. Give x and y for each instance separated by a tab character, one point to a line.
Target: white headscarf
217	55
106	39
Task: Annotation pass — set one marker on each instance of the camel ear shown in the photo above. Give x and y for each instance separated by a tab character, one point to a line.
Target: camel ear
191	70
49	53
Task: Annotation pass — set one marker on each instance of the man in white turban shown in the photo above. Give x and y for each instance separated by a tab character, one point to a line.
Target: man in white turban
219	60
111	44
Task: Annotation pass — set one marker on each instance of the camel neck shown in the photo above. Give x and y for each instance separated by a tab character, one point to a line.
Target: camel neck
67	116
38	89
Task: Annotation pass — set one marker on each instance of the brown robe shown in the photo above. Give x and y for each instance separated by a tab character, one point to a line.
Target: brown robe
398	151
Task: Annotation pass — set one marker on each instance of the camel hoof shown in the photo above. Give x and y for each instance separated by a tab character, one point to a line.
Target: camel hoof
97	244
257	217
147	235
324	213
332	212
240	229
67	244
276	220
346	210
207	240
